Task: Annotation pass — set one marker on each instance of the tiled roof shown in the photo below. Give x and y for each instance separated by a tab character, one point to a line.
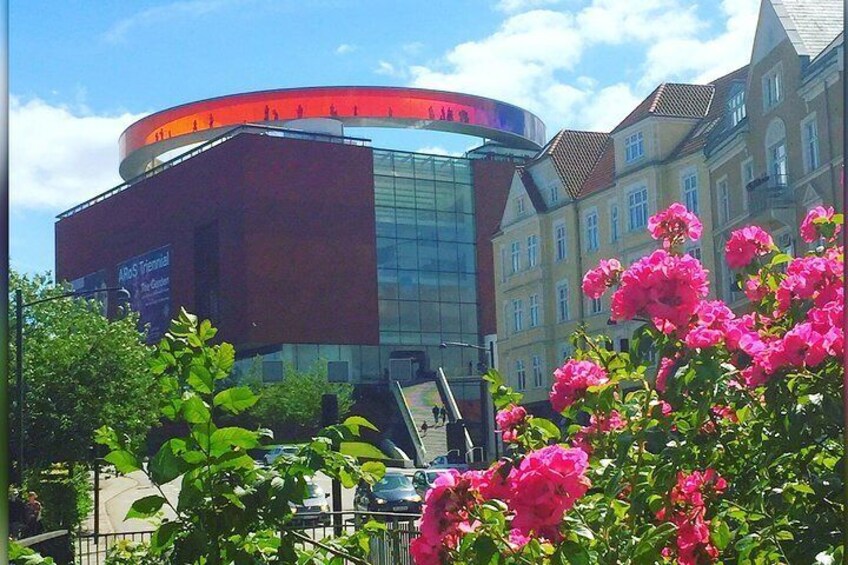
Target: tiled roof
573	154
811	24
603	172
697	138
532	189
674	100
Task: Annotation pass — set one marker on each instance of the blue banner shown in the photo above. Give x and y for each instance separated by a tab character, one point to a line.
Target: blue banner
148	279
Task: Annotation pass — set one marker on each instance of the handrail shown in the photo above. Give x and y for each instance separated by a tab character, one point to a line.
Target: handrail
34	540
214	142
452	405
420	452
327	548
471	453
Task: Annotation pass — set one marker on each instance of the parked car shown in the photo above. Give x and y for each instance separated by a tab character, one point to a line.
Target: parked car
423	480
278	450
442	462
315	508
393	493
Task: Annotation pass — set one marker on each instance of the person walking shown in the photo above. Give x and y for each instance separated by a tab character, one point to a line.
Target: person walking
424	428
444	414
436	414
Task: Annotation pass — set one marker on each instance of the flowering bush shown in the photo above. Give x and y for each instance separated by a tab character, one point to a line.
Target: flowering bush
728	449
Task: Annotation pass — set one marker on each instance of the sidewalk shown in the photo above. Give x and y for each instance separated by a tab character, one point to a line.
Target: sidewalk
117	495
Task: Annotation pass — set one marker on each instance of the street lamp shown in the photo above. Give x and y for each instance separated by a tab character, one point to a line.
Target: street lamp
486	414
19	348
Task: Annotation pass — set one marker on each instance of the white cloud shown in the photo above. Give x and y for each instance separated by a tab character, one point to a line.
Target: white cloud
388	69
412	48
531	59
439	150
345	48
175	10
59	157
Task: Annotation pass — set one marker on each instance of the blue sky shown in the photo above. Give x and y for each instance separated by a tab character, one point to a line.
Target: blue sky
80	71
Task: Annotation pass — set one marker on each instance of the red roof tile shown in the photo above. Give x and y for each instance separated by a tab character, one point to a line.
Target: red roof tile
573	154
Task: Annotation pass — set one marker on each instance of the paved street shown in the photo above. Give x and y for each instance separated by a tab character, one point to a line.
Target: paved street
117	495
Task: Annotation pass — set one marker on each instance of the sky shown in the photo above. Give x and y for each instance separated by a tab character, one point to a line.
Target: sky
81	71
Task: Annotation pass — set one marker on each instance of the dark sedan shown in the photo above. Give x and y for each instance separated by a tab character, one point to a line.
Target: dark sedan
394	493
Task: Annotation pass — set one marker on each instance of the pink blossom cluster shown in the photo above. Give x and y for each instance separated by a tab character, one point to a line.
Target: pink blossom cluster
599	424
745	244
662	287
537	492
811	278
687	510
510	421
674	224
724	413
810	227
571	381
710	325
596	281
664	371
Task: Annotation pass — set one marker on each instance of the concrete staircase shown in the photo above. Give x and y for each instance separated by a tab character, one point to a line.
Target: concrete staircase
421	397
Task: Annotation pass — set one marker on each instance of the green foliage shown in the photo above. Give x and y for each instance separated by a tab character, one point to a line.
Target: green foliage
292	407
229	508
127	552
65	494
20	555
81	371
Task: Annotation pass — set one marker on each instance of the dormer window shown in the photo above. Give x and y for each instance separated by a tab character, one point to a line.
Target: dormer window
554	193
634	147
519	206
736	108
772	89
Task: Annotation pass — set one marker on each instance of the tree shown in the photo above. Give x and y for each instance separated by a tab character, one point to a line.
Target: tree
81	371
292	407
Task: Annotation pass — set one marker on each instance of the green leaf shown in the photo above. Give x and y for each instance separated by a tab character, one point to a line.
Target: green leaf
227	438
236	399
164	536
374	469
167	465
195	411
484	549
104	435
145	507
200	379
780	259
225	356
720	535
124	461
547	427
356	422
574	553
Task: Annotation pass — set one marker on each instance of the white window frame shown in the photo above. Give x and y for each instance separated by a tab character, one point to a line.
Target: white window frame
615	216
516	256
736	108
520	206
643	204
593	232
596	306
810	144
562	299
634	147
517	315
537	372
560	243
689	189
723	192
695	251
534	310
532	251
553	192
772	83
520	375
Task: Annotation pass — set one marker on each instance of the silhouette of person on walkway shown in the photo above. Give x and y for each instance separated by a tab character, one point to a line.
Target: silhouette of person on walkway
267	112
276	115
424	428
442	113
333	111
444	414
431	113
211	121
436	414
355	110
299	111
194	126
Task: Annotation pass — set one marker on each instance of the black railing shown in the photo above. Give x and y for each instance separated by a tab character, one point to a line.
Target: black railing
387	547
769	192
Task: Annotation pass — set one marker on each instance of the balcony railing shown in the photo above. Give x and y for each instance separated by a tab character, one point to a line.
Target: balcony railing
769	192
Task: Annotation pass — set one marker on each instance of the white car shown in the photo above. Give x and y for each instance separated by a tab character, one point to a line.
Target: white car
278	450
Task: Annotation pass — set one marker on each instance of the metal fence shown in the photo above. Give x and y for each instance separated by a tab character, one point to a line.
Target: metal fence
387	547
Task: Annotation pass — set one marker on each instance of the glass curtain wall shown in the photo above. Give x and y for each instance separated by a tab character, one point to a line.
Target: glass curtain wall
426	256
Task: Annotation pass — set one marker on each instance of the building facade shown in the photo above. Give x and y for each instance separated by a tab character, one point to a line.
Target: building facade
733	151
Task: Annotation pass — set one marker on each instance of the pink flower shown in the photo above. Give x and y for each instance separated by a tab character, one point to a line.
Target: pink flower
599	424
571	381
688	498
811	278
745	244
546	484
812	230
666	365
425	552
801	346
755	290
674	224
445	517
517	540
725	413
598	280
509	421
493	483
709	329
662	287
